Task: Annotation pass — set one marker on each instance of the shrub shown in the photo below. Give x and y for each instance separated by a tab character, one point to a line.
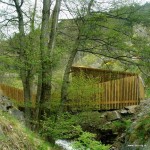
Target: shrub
89	119
143	128
87	141
82	92
121	126
64	128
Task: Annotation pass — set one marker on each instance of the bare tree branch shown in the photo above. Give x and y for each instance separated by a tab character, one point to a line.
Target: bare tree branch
22	1
7	3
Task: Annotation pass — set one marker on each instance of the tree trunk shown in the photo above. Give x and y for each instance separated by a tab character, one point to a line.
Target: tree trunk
24	72
44	38
27	100
44	92
65	83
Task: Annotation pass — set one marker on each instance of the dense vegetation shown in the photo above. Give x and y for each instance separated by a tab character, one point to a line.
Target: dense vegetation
39	55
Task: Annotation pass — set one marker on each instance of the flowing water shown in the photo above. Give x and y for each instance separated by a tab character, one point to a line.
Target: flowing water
66	145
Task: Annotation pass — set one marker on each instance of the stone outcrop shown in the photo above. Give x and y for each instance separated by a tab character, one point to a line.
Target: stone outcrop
132	109
6	105
137	136
113	115
116	127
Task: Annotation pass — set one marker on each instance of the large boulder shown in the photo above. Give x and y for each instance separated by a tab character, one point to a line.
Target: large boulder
123	112
113	115
132	109
17	114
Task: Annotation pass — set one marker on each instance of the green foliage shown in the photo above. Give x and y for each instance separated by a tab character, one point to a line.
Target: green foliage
82	92
120	126
89	120
67	126
142	129
82	84
64	127
87	141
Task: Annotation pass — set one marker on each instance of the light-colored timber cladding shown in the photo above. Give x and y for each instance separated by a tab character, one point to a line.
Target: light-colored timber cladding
116	89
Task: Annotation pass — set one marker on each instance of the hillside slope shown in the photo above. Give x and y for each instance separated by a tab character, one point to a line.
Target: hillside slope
14	136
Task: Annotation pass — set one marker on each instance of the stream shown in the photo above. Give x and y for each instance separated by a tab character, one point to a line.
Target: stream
66	145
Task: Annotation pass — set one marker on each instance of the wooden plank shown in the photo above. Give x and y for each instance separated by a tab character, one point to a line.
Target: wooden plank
112	88
129	90
119	102
109	94
133	88
137	89
118	86
99	95
121	92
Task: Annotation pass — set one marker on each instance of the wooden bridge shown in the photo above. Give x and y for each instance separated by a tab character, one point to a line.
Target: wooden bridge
15	94
112	90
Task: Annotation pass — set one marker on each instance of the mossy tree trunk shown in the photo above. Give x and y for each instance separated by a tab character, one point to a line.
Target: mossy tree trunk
65	83
47	44
25	71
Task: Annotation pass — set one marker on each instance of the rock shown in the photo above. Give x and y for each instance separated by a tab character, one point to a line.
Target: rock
17	113
131	109
116	146
103	115
6	105
123	111
3	108
113	115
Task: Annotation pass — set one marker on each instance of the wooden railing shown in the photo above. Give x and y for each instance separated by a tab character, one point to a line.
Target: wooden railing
15	94
113	94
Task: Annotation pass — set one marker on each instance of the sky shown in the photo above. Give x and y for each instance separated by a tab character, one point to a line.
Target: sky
143	1
64	13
